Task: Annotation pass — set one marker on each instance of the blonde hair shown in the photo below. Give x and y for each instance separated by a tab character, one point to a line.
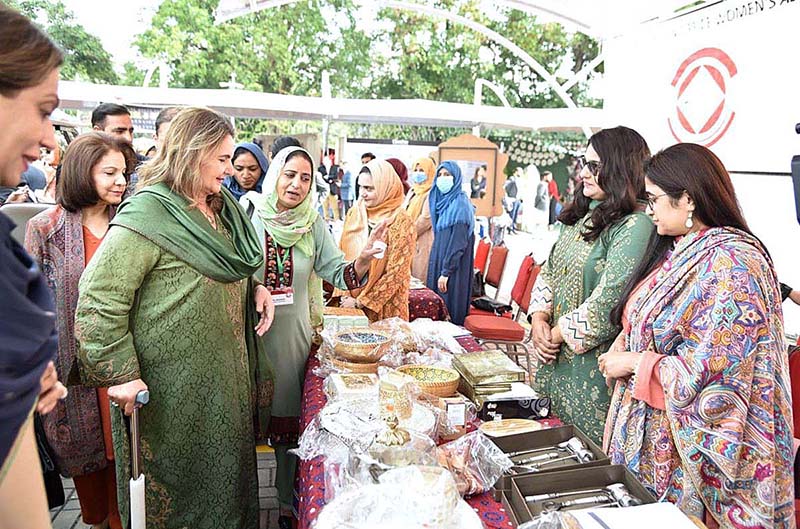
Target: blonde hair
194	133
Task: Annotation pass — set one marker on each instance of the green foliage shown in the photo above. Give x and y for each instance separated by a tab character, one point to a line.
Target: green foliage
85	57
387	54
282	50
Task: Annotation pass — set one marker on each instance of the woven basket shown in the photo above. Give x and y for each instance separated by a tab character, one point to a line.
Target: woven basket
437	381
360	344
355	367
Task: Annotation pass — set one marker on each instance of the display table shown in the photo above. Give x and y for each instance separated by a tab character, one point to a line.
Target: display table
425	303
311	477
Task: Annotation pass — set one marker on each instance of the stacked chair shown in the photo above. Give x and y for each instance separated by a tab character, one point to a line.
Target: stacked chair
507	333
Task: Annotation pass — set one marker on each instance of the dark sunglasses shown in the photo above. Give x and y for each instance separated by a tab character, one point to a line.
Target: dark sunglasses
593	166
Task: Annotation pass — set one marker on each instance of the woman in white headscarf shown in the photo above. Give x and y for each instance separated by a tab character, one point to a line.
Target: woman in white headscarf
297	248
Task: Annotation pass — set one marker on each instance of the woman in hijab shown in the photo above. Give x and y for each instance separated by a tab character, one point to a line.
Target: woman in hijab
380	201
453	220
298	250
418	208
402	172
249	168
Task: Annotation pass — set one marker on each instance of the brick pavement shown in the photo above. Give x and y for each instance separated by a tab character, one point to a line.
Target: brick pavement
68	516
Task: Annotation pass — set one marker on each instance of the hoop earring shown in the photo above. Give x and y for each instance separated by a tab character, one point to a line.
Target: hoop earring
689	222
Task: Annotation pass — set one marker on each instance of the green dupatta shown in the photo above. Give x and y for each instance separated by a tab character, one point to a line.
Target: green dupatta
166	219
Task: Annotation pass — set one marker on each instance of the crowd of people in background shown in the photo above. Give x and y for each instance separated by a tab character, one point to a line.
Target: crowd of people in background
199	274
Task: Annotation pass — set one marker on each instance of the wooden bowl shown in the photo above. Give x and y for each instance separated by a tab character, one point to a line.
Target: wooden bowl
360	344
438	381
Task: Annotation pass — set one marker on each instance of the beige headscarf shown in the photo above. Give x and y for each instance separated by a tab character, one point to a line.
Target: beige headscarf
361	219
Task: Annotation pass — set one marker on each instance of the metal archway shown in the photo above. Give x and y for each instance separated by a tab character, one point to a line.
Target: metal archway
521	54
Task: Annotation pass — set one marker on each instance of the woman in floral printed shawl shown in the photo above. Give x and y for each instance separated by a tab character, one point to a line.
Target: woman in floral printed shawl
701	411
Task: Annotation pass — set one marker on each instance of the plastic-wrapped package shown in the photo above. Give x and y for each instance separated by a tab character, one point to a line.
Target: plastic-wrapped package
408	497
438	334
475	462
400	331
432	356
368	467
551	520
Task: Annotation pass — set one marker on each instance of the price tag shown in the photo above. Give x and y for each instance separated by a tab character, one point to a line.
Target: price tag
457	414
283	296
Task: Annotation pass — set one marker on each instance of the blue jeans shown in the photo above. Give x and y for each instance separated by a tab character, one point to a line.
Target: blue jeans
513	214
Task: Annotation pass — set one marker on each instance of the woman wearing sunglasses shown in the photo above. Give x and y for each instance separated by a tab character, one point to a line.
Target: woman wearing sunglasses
604	235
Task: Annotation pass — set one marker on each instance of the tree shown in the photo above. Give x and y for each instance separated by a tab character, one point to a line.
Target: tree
282	50
85	58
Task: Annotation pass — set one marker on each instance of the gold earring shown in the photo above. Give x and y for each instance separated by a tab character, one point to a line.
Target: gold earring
689	222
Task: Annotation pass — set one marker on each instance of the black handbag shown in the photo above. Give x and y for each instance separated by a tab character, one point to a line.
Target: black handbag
478	288
491	305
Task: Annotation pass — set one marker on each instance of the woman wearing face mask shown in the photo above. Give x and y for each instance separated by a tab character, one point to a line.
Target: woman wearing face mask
418	208
453	220
701	409
63	240
603	239
298	247
249	167
380	202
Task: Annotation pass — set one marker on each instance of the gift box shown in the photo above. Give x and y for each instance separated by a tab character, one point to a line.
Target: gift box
338	319
522	402
485	369
549	437
586	479
350	385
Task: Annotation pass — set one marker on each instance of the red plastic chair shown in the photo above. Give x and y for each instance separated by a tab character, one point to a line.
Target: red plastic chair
497	264
482	255
502	332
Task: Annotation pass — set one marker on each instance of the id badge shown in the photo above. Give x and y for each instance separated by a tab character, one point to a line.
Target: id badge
283	296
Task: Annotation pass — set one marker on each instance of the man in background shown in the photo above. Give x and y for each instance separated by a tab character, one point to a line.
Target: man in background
163	121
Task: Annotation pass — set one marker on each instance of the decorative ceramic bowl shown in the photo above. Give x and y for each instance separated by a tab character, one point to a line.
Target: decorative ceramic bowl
438	381
360	344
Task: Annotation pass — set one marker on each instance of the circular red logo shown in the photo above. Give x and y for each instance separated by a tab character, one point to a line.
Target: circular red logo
702	111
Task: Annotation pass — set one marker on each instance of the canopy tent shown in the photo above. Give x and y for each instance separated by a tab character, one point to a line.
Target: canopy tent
249	104
598	19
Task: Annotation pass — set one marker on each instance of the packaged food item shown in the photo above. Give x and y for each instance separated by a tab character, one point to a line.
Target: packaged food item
475	462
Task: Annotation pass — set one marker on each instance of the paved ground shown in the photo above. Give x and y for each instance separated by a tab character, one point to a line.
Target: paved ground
69	515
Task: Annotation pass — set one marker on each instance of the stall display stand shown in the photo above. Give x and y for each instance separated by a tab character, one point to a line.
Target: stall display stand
310	484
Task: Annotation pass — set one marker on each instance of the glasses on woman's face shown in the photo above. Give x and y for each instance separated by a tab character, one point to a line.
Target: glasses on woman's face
593	165
652	199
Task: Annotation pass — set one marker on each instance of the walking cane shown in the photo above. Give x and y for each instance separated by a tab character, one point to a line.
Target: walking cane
138	519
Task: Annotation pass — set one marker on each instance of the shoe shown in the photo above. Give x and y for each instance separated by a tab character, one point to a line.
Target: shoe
284	522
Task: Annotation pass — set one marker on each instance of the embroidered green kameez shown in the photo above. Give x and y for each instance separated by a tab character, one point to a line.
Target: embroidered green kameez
578	286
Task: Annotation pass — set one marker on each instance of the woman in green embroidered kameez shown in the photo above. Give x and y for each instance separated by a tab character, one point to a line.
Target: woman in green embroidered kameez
603	238
299	250
168	304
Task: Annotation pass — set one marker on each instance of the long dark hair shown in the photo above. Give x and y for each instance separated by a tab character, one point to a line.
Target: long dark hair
692	169
622	152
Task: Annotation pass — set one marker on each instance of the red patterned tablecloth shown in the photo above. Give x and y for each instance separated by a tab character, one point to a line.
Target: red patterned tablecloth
311	479
425	303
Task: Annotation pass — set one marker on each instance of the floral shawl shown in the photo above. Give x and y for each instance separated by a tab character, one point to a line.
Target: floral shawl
54	238
724	441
